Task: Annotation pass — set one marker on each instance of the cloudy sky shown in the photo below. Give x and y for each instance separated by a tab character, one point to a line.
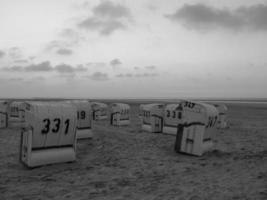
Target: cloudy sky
133	49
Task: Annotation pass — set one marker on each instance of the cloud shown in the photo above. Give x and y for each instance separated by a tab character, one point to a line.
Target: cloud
120	75
55	44
152	7
21	61
60	47
65	52
150	67
71	36
32	58
129	75
80	68
104	27
13	68
67	38
41	67
96	64
15	53
46	67
138	75
115	62
38	78
64	68
70	33
34	79
16	79
147	75
69	76
2	54
203	17
99	76
107	17
109	9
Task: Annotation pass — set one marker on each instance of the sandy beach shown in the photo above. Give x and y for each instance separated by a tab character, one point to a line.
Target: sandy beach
127	163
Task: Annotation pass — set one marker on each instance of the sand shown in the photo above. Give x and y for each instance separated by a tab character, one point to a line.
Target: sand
126	163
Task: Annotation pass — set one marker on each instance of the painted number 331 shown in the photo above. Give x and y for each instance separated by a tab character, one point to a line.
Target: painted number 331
55	127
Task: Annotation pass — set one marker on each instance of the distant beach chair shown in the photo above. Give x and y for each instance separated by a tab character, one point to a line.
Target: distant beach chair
119	114
3	114
84	118
222	109
152	117
15	114
99	111
172	117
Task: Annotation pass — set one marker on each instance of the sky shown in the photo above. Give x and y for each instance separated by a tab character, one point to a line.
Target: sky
133	49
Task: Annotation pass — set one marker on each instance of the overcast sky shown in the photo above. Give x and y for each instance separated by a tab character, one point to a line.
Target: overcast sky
133	49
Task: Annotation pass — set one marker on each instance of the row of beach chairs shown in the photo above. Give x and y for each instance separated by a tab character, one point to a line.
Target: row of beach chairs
49	130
